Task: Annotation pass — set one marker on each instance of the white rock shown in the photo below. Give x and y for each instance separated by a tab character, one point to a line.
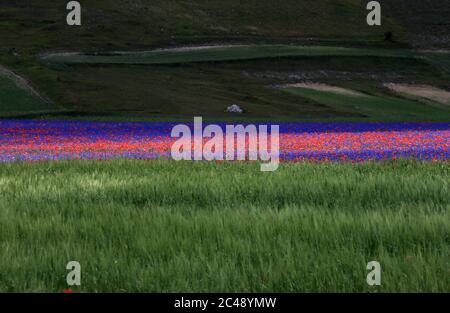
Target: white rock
235	109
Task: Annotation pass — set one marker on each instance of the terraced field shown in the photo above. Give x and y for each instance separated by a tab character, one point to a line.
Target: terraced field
381	107
136	84
227	53
189	72
329	38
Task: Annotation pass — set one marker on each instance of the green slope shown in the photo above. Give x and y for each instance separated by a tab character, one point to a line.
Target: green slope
156	84
38	25
377	107
15	100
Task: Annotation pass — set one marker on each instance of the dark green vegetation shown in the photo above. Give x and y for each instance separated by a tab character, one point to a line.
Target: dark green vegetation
138	85
166	226
427	22
130	24
441	61
14	100
207	88
377	107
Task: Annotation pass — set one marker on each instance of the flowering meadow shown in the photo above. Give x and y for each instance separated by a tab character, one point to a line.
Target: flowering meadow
138	226
35	140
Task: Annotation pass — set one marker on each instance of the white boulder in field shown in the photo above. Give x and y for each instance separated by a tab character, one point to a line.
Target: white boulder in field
235	109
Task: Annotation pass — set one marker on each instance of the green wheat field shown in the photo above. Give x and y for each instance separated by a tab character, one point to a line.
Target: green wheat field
163	226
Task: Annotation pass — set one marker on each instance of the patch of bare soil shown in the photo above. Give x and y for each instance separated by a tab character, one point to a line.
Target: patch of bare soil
58	54
181	49
421	91
177	49
328	88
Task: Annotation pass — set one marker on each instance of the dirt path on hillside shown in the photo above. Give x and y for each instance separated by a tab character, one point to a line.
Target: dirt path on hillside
421	91
21	83
192	48
176	49
435	51
58	54
327	88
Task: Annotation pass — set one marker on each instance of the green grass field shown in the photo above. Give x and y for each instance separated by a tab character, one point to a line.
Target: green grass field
196	227
197	85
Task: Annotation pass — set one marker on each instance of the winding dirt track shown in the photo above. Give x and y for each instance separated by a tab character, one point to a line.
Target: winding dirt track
176	49
192	48
327	88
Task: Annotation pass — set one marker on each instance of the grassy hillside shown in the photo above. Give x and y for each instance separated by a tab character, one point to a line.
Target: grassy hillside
376	106
441	61
15	100
207	88
39	25
204	82
194	227
153	84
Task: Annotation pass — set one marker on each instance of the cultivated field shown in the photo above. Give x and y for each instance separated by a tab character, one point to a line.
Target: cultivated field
228	53
205	80
263	44
196	227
